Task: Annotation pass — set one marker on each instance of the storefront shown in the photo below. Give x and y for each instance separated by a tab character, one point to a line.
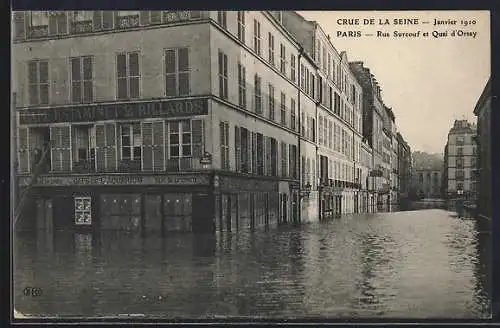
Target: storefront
202	202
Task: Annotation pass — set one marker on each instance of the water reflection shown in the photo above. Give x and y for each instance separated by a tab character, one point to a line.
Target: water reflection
402	264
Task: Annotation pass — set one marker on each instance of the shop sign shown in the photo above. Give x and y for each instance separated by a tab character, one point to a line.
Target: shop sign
122	180
117	111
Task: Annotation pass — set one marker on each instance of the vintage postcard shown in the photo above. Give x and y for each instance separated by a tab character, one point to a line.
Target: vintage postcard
251	164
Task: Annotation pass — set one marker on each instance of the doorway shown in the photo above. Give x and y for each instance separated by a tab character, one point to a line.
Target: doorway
203	209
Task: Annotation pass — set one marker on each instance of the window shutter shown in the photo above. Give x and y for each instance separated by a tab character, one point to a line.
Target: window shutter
237	148
197	136
110	147
147	143
23	150
100	147
158	147
144	17
65	148
97	20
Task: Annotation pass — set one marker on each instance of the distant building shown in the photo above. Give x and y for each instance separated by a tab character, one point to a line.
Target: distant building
428	182
374	123
460	159
483	139
404	167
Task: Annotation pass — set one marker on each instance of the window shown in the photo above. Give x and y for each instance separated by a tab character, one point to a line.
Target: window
318	52
329	72
223	87
292	114
460	174
284	159
353	94
256	37
128	74
81	80
303	124
283	109
258	94
460	186
320	136
179	144
126	19
292	67
242	86
102	20
131	142
38	82
460	151
282	59
151	17
58	22
260	154
271	102
237	148
245	150
330	134
324	59
241	26
271	48
82	22
460	140
19	25
222	19
83	211
325	131
460	163
224	145
337	104
177	72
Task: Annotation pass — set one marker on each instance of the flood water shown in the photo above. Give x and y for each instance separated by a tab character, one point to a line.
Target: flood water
412	264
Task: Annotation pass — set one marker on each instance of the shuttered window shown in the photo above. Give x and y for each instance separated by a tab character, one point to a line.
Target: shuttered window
153	146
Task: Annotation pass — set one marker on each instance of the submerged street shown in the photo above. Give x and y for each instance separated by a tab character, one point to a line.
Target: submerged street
415	264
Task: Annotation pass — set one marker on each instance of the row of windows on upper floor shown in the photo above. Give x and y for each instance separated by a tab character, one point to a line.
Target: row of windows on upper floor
32	25
307	83
43	24
176	83
326	62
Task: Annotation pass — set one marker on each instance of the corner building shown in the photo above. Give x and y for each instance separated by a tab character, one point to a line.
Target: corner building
159	121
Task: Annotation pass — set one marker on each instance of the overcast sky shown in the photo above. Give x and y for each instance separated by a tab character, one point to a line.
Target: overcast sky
428	82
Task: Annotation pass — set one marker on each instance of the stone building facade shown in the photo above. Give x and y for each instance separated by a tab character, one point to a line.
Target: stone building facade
204	121
461	160
484	159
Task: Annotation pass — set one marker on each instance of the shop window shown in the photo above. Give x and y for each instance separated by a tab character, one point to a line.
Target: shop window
83	211
120	211
178	211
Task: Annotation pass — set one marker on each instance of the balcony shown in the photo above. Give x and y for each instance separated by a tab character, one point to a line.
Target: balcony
84	166
127	21
40	31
